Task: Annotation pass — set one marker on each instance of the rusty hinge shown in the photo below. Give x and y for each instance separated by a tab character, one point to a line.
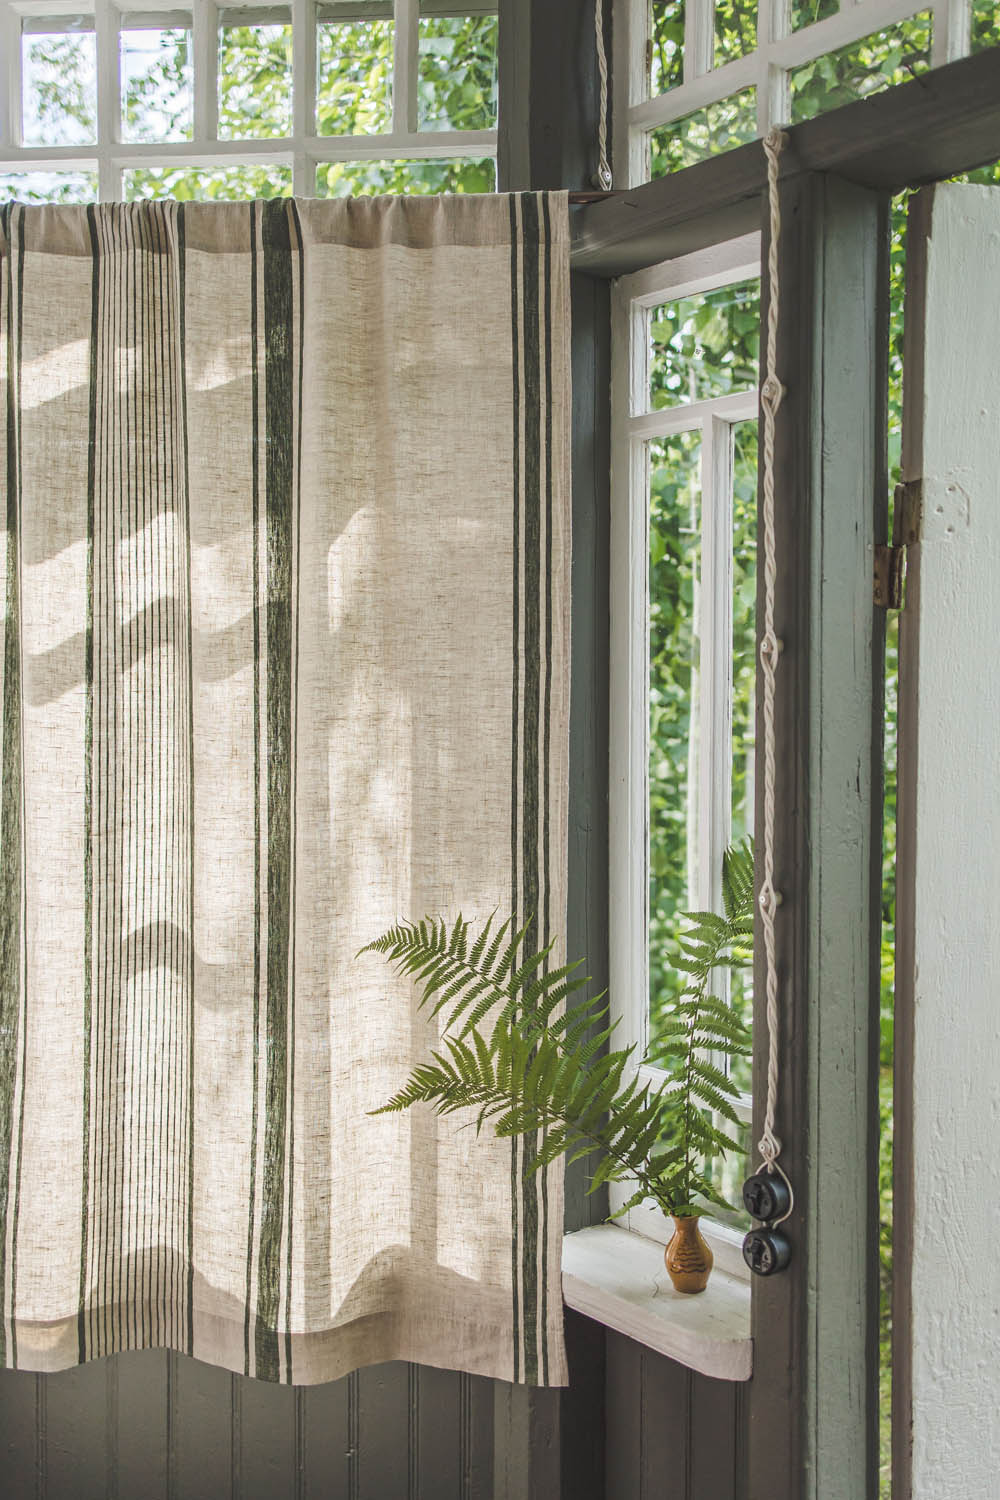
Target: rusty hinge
890	562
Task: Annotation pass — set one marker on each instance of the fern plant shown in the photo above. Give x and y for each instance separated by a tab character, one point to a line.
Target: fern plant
526	1063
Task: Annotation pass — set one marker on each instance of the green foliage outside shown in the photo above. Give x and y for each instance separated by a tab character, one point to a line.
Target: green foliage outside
456	90
516	1055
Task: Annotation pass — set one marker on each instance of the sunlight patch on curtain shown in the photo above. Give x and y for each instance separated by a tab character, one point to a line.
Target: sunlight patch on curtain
285	657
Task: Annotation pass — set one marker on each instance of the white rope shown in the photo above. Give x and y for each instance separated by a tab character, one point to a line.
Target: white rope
602	178
771	395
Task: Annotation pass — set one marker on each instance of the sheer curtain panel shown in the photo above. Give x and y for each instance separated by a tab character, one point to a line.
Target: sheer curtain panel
285	657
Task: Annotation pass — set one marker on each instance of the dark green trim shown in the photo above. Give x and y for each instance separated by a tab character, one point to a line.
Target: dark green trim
515	726
88	793
279	487
255	250
189	684
10	796
530	823
296	425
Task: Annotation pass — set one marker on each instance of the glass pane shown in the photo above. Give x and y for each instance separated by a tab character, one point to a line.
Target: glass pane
744	675
354	72
735	29
674	568
200	183
457	84
704	346
891	56
157	85
255	81
985	25
805	12
59	84
347	179
707	132
666	45
48	187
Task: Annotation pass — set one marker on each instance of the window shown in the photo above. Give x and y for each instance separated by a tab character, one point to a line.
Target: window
209	101
683	619
702	76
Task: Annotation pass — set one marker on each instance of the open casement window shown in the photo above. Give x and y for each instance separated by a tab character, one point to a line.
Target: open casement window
703	76
210	101
685	337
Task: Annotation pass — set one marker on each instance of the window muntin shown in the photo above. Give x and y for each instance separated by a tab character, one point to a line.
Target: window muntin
193	100
702	76
683	622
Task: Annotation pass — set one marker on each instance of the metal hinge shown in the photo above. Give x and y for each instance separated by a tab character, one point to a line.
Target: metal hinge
890	562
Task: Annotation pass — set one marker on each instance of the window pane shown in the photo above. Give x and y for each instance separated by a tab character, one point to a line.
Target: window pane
157	85
48	187
666	45
886	57
343	179
255	81
805	12
59	83
704	346
985	25
354	71
201	183
744	674
457	86
674	567
707	132
735	29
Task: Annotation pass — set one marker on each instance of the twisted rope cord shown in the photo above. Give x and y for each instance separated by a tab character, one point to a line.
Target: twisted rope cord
602	178
771	395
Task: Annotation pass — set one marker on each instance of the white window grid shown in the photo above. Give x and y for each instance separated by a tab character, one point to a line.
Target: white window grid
302	148
779	51
634	425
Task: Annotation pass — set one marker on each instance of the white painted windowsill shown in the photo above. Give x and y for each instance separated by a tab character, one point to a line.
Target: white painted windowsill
619	1279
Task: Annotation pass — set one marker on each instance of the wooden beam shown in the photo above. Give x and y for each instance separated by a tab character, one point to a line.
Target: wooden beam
812	1400
945	122
547	130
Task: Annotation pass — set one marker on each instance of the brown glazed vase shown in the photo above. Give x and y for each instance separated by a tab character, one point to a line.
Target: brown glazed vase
687	1258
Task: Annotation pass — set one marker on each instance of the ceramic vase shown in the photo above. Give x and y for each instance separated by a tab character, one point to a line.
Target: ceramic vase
687	1258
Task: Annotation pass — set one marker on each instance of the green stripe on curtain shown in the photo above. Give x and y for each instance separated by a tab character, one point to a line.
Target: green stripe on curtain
11	832
282	338
285	657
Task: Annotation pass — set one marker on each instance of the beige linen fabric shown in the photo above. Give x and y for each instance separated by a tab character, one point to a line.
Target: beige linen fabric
285	658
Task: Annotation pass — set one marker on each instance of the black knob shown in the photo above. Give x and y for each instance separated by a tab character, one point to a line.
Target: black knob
765	1196
766	1251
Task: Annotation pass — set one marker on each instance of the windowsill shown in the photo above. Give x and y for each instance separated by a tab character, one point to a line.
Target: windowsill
619	1279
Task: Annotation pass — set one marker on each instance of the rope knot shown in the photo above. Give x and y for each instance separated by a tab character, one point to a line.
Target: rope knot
769	899
769	1147
775	141
770	647
771	393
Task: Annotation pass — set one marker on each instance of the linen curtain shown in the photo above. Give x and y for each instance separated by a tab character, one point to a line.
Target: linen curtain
285	658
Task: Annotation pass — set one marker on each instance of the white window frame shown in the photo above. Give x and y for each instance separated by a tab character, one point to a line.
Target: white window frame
303	150
633	425
768	68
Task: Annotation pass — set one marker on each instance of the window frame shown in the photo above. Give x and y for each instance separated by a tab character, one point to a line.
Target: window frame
633	425
303	149
767	67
